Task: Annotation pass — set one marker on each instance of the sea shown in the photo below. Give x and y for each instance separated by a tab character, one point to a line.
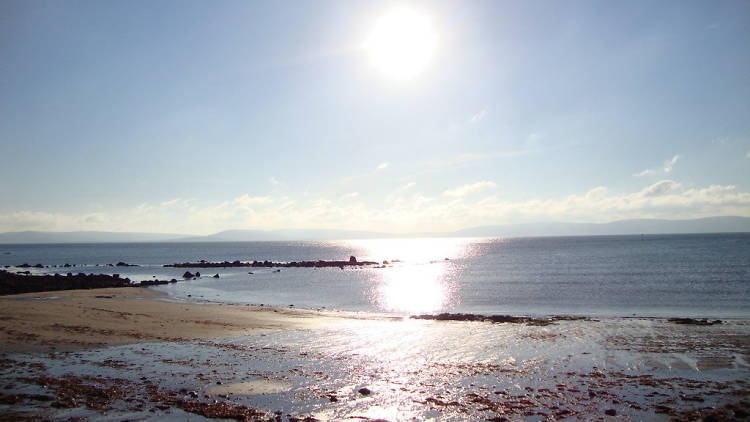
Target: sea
686	275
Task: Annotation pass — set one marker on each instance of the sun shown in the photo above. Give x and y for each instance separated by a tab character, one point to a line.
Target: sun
401	43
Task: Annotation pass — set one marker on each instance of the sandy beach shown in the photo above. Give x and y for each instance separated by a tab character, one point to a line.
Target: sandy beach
71	319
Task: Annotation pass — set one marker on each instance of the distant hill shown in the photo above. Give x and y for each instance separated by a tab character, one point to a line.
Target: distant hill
637	226
640	226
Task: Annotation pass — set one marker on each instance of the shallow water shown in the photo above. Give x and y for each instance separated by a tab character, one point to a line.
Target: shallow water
704	275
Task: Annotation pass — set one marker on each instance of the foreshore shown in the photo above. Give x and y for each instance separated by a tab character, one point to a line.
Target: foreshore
74	319
135	353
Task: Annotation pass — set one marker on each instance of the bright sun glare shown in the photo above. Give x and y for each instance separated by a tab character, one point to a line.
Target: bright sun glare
402	43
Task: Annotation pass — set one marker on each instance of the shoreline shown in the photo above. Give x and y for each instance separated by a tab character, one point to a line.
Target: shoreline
90	318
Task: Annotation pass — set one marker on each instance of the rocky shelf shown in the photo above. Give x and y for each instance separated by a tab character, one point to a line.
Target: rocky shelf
352	262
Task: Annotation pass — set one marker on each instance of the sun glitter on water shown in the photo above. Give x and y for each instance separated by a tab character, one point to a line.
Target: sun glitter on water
421	280
402	43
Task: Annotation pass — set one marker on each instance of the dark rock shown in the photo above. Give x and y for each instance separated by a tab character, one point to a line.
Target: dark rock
124	264
216	275
197	273
352	259
38	266
365	391
187	274
610	412
693	321
11	283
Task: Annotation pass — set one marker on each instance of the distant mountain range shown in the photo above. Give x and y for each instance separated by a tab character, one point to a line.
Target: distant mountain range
638	226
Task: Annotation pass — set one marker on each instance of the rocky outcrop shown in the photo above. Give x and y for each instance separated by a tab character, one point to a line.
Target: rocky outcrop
270	264
15	283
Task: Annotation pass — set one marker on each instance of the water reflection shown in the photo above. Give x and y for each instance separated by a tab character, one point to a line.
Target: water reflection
422	276
416	250
414	289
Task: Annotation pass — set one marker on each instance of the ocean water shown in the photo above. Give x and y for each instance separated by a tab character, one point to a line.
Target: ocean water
706	275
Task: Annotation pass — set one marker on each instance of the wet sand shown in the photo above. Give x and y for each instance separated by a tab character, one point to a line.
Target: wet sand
72	319
131	353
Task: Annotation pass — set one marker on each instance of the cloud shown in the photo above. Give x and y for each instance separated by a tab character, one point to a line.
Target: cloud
478	117
406	186
350	195
666	168
660	188
669	164
274	181
748	154
407	211
383	166
170	202
469	189
644	173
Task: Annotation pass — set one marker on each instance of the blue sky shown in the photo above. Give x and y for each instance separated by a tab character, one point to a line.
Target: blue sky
194	117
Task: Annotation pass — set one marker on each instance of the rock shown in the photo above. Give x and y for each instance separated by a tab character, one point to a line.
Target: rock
365	391
610	412
216	275
187	274
197	273
124	264
352	259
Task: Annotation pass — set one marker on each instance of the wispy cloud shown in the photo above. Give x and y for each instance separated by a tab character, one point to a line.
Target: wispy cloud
667	167
469	189
478	117
669	164
274	181
350	195
383	166
406	187
644	173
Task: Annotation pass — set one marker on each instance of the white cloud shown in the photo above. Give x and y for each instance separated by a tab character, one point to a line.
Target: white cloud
406	186
478	117
383	166
170	202
660	188
274	181
402	213
350	195
469	189
644	173
666	168
669	164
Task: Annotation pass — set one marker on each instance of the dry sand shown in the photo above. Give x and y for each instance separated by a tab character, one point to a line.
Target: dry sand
71	319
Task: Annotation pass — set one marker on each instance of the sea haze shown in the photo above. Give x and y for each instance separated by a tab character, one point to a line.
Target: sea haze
702	275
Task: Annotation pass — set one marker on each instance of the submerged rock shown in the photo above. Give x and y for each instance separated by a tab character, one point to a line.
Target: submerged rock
188	274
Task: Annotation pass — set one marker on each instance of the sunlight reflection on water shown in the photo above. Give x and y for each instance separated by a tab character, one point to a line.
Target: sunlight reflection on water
423	277
415	289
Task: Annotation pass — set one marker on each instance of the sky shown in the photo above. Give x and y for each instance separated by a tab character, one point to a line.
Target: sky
194	117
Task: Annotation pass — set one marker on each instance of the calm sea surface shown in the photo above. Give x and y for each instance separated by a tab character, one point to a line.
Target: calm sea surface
655	275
